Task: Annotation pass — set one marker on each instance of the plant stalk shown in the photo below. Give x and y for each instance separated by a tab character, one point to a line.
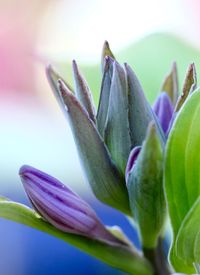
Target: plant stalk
157	258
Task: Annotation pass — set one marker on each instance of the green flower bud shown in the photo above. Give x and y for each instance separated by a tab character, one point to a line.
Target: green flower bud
145	187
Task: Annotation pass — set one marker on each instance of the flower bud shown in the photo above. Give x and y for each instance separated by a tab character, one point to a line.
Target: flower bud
163	108
60	206
131	160
145	187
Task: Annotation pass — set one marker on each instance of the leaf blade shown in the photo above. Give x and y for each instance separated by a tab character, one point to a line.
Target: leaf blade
106	181
186	245
132	262
83	92
181	149
189	86
104	96
182	184
117	132
140	112
170	84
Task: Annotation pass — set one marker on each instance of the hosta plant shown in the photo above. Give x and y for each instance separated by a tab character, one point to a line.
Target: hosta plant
139	159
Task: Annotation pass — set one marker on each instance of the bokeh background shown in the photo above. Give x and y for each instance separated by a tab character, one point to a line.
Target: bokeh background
149	35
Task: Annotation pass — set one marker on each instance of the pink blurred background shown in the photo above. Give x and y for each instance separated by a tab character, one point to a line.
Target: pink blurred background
34	33
62	29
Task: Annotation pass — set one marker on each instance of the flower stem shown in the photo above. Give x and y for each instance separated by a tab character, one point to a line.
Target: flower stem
157	259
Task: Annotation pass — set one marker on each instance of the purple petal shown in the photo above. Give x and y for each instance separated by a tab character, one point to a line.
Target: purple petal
131	160
163	108
60	206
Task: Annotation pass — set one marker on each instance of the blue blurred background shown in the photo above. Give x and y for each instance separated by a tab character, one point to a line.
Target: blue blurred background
149	35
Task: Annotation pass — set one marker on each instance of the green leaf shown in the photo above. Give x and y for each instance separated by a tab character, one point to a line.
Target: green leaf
182	161
104	95
190	82
107	183
83	92
170	84
187	243
117	132
145	187
189	86
117	256
140	112
182	172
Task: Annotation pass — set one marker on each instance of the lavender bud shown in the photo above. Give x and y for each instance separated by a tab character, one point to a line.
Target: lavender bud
61	207
163	108
131	160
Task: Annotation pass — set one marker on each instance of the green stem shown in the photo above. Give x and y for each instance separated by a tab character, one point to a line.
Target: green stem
157	259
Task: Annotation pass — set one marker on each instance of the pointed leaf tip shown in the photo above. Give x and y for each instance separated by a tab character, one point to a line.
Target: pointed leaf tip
83	92
106	51
170	84
189	86
53	77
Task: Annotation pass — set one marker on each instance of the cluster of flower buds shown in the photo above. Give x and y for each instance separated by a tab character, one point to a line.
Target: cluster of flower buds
107	135
121	149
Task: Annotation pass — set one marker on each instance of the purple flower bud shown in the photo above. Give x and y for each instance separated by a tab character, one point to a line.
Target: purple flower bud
131	160
163	108
61	207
